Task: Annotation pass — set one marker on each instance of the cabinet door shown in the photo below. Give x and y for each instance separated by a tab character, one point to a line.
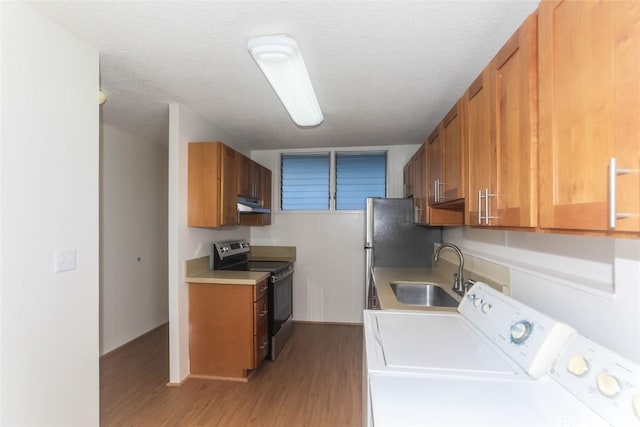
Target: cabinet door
589	62
204	186
481	161
407	178
420	186
221	330
434	143
452	185
516	115
244	176
265	193
228	186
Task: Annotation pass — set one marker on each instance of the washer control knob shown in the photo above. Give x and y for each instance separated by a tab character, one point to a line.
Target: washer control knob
486	307
608	385
635	402
477	302
520	331
578	365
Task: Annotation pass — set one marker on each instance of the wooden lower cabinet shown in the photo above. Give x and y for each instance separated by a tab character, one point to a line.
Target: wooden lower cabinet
228	329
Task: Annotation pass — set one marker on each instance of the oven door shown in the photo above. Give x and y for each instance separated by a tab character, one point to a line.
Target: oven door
280	301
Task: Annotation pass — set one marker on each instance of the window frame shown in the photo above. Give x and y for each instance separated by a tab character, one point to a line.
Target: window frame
332	177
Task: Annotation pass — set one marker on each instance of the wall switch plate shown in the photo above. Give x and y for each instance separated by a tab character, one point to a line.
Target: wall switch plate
64	260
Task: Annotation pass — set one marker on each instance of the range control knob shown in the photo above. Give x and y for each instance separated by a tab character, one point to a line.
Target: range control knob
486	307
477	302
520	331
608	385
578	365
471	297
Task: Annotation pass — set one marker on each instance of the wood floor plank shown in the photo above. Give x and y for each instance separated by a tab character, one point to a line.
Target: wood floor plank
316	382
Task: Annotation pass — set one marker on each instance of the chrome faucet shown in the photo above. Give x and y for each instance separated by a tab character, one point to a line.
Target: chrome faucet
458	280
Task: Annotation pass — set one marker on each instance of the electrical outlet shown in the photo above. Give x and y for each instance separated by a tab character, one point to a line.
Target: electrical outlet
64	260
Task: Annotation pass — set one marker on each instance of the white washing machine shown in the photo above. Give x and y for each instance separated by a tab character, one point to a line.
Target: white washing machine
496	362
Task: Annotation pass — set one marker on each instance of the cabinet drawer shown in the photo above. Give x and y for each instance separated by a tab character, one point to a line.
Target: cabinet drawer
261	342
260	313
260	290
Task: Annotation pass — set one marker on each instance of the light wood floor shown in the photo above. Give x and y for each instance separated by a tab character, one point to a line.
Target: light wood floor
316	381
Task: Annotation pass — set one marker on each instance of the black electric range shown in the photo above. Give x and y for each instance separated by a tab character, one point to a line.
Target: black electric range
232	255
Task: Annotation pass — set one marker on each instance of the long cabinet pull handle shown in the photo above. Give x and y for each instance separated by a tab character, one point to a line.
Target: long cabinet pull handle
479	207
487	215
613	174
435	190
613	177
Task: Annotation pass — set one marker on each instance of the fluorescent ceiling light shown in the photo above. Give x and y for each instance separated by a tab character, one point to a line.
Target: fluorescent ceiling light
280	60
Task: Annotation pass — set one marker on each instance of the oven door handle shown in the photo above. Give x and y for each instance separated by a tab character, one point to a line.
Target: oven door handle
275	279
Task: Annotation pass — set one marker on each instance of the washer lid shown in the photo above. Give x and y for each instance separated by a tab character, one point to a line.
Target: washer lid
439	344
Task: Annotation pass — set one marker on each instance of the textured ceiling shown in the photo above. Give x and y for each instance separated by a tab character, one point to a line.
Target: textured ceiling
385	72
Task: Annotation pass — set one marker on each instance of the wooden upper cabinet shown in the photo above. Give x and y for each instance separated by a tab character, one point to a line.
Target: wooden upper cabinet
243	168
501	118
248	177
256	185
228	185
446	159
481	152
589	83
421	208
212	185
453	186
407	179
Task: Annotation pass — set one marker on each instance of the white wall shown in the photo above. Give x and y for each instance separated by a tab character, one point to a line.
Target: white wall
591	283
49	191
133	237
329	271
186	242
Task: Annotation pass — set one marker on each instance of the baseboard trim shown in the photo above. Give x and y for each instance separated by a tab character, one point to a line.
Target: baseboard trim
313	322
170	384
216	377
129	343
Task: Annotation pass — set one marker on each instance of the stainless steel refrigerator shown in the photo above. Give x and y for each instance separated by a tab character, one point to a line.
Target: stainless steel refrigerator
392	239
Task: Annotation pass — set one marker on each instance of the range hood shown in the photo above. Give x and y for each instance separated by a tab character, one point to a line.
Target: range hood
247	205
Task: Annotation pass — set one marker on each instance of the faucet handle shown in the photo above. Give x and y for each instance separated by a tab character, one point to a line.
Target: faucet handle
468	284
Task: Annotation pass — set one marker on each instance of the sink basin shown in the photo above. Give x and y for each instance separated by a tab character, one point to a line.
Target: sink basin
423	294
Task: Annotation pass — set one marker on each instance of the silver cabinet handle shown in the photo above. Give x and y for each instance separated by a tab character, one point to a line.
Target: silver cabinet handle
487	216
613	173
438	195
479	207
263	313
262	289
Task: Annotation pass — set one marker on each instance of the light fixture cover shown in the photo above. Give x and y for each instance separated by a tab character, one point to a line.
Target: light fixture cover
280	60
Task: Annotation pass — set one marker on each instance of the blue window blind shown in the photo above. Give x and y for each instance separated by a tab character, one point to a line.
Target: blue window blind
358	176
304	181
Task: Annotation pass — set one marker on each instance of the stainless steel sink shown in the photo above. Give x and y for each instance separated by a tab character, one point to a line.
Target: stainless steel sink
423	294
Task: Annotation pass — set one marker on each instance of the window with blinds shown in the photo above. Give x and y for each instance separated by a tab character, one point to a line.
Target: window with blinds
358	176
306	180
